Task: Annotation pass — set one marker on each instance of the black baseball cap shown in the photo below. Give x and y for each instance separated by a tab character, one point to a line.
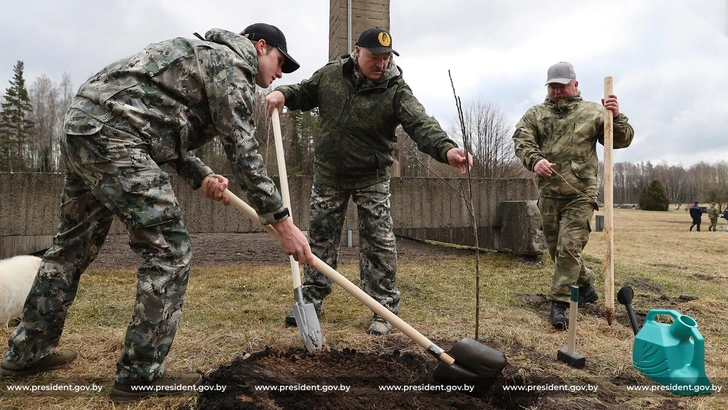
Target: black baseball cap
377	40
274	37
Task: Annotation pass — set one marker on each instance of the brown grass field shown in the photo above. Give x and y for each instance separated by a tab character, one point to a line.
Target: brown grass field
232	311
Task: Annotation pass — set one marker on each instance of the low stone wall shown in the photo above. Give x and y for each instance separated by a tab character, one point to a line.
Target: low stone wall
422	208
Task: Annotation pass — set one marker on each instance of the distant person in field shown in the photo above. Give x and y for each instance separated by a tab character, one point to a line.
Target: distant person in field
557	140
696	212
713	213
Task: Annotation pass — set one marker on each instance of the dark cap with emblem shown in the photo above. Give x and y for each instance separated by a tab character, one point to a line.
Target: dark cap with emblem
377	40
274	37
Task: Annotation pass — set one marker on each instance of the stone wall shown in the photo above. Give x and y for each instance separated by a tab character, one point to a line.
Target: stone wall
422	208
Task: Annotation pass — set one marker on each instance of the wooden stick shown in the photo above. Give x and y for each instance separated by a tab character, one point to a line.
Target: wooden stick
608	207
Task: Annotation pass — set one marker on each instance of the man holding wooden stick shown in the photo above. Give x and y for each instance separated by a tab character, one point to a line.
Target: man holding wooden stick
557	140
362	97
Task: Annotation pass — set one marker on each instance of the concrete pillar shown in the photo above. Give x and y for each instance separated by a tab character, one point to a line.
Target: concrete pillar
364	14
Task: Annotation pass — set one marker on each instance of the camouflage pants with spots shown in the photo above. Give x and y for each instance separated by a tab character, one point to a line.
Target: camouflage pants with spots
110	173
377	250
566	228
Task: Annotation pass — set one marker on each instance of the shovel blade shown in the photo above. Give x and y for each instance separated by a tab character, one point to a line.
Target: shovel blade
308	326
475	364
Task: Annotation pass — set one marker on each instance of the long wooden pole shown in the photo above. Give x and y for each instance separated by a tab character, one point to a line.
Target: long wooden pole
608	207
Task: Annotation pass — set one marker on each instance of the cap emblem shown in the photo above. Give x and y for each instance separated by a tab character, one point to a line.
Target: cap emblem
384	39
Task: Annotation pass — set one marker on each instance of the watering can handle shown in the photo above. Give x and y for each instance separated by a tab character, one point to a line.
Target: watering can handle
654	312
698	361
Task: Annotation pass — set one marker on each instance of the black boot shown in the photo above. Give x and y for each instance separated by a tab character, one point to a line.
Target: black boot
558	316
587	294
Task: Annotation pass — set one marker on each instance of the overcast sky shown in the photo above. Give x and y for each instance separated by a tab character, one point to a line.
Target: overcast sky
668	58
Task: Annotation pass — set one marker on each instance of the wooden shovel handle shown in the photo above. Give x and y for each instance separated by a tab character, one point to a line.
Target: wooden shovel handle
285	193
352	289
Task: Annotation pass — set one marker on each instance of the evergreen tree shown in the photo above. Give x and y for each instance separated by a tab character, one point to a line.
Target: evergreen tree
16	123
654	197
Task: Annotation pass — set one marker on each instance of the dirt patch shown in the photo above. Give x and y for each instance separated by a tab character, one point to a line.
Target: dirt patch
668	265
251	248
709	277
643	284
539	303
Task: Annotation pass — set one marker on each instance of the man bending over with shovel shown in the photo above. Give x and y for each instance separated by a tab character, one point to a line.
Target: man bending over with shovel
557	140
152	108
362	98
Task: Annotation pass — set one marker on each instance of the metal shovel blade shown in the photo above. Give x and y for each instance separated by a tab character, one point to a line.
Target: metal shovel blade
475	364
308	326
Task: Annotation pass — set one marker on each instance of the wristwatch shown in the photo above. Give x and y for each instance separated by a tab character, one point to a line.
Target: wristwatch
273	217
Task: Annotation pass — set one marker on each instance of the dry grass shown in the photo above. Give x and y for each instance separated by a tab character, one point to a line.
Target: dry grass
231	310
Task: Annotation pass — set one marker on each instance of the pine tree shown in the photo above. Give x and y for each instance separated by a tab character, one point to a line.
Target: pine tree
16	123
654	197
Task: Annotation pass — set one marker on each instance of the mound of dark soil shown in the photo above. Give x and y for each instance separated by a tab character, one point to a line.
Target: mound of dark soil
340	380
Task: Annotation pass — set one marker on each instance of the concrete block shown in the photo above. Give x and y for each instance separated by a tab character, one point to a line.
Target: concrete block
519	228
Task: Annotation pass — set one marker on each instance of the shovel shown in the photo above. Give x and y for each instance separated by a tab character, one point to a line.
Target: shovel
467	362
305	313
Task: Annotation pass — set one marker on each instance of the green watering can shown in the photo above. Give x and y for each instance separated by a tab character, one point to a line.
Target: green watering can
672	354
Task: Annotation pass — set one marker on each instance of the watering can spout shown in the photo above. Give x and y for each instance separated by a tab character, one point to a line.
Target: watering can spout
683	327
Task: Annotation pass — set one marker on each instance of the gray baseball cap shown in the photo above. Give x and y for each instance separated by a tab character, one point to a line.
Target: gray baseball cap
561	72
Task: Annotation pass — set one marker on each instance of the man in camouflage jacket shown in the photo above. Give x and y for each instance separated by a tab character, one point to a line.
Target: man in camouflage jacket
152	108
362	98
557	140
713	214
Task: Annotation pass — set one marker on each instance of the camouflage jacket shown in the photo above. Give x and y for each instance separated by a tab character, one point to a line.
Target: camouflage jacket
713	213
355	148
565	132
176	96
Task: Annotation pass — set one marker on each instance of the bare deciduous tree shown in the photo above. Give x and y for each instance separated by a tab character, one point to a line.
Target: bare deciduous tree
711	181
675	179
45	98
491	142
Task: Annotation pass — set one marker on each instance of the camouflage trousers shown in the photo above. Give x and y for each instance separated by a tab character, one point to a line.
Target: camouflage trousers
377	249
566	228
107	174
